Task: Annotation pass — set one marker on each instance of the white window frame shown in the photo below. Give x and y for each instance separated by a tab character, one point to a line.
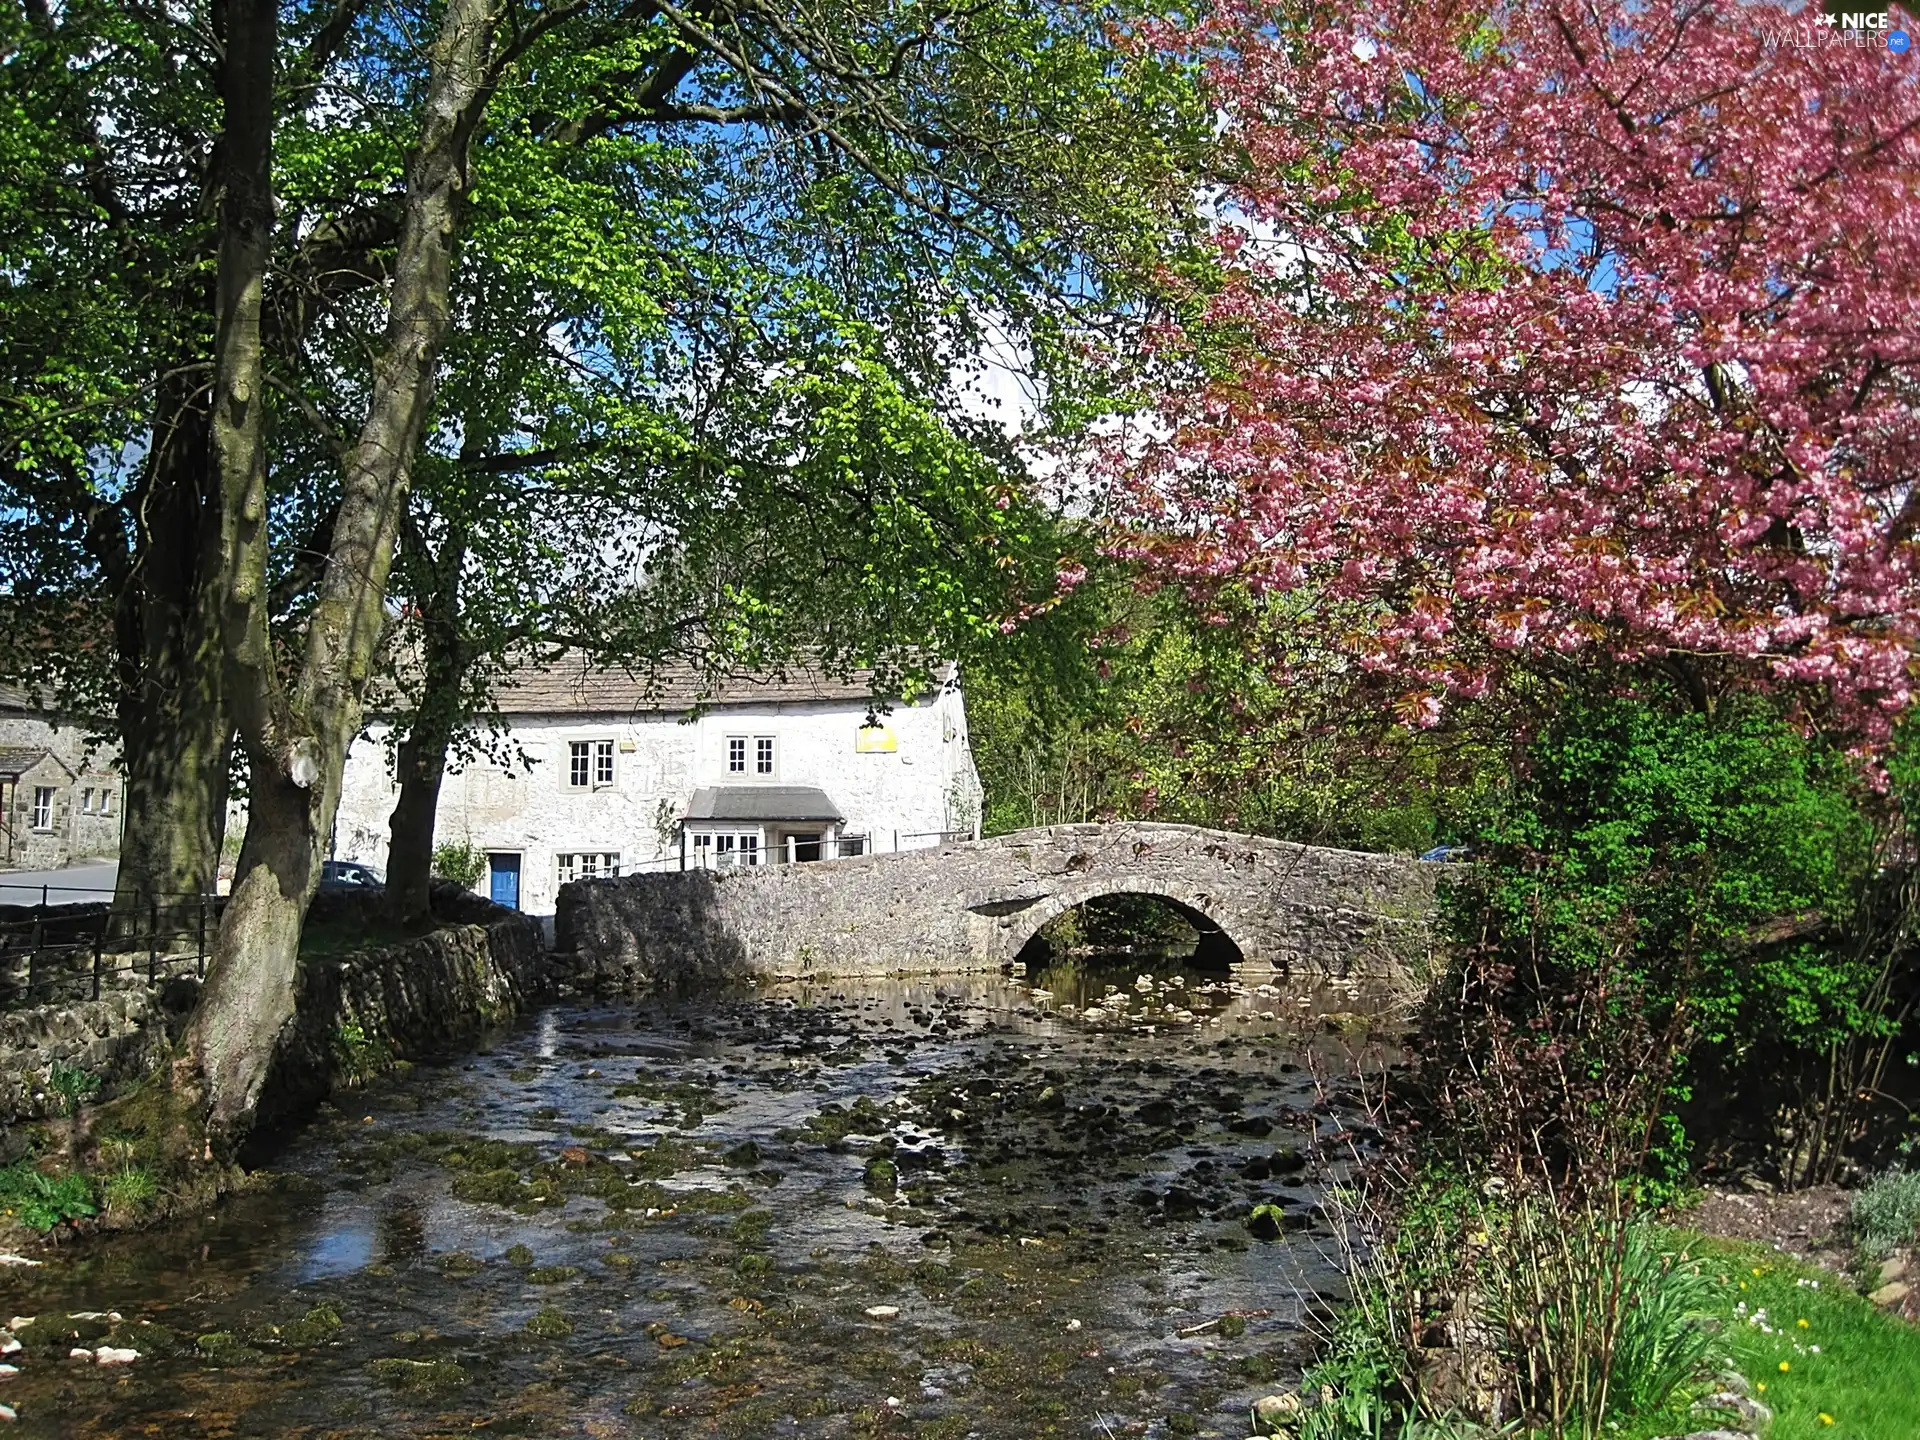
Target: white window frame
723	849
590	765
106	802
42	807
86	800
766	756
571	865
736	753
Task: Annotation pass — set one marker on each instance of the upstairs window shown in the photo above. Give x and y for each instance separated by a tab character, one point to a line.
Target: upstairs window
86	801
589	764
106	803
43	807
736	754
763	755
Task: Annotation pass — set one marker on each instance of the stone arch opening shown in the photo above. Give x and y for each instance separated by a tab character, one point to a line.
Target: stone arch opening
1036	937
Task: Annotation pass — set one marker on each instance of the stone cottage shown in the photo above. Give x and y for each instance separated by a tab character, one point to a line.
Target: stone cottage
59	795
600	772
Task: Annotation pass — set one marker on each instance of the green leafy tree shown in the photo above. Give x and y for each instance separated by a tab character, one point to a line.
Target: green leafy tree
309	201
1746	893
1165	717
459	862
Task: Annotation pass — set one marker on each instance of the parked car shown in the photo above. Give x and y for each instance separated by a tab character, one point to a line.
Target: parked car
1447	854
349	875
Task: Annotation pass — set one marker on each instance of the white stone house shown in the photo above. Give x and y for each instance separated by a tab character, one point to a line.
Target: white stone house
59	795
606	773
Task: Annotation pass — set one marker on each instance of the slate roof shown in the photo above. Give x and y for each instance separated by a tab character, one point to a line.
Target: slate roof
13	697
16	760
762	802
571	686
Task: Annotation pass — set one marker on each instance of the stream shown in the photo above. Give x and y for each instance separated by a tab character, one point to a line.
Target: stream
944	1207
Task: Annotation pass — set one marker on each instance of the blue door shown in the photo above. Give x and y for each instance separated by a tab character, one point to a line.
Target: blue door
504	871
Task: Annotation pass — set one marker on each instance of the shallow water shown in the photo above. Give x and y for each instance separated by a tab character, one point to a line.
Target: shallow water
714	1194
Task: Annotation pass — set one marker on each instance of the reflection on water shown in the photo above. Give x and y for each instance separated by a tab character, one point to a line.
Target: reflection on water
946	1206
338	1249
403	1232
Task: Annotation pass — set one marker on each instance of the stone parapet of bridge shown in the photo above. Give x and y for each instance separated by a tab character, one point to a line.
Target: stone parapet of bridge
973	905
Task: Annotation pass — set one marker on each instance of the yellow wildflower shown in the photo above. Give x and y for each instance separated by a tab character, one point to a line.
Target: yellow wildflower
1784	1367
1803	1324
1825	1418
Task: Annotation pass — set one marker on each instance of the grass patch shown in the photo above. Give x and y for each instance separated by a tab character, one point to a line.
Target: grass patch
130	1191
1865	1373
348	935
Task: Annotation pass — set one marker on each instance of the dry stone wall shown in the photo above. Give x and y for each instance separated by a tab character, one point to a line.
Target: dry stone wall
357	1013
433	995
118	1037
973	905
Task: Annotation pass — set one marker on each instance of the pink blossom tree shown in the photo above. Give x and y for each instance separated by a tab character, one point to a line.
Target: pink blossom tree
1556	333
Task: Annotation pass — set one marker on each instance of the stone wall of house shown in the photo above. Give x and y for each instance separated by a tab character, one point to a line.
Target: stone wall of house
974	905
85	823
357	1013
895	798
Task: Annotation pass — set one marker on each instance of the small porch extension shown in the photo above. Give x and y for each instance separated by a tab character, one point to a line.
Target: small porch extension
733	825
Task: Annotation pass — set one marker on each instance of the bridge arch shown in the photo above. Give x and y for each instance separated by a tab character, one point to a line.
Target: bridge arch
1218	946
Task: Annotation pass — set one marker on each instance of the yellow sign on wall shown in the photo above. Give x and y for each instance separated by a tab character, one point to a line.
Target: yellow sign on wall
874	740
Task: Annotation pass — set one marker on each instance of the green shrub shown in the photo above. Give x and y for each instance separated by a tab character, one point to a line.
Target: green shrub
1665	1342
1474	1305
1738	886
41	1202
72	1084
361	1055
1885	1214
460	863
1360	1382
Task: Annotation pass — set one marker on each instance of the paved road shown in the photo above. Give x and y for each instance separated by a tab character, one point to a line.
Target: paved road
73	886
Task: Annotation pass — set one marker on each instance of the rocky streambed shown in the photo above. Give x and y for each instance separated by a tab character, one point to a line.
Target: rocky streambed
942	1208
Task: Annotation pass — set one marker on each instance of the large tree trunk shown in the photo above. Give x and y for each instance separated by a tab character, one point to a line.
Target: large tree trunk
249	993
174	729
246	1001
421	761
296	736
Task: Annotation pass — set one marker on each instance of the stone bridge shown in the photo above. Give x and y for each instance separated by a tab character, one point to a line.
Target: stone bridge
973	905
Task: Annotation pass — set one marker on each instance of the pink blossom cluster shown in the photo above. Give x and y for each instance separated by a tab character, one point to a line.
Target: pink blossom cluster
1556	329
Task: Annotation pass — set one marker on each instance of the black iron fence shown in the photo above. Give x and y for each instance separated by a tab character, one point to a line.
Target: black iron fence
54	952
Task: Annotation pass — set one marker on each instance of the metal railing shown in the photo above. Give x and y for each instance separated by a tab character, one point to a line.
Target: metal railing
54	952
837	847
936	837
